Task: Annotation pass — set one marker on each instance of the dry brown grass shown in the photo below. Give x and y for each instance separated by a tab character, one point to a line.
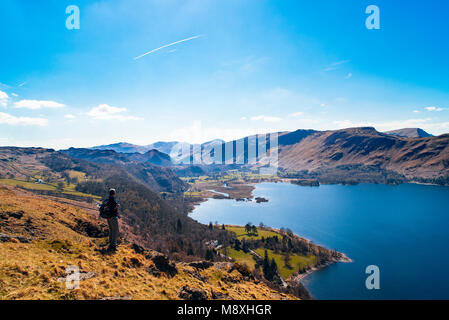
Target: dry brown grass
31	270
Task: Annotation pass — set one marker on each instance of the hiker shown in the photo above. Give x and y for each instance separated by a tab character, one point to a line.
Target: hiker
109	211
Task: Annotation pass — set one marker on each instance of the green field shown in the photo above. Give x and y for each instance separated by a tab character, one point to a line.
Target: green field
240	256
26	185
70	189
77	174
242	234
296	262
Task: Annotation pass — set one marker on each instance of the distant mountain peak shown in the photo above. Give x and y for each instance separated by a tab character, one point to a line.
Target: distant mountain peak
409	133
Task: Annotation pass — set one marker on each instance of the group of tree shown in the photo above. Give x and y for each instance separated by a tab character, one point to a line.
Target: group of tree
251	229
269	268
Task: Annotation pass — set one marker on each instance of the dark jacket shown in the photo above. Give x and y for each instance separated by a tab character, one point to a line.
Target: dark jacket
113	207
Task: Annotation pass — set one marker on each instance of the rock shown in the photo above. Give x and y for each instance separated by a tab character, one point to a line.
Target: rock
260	199
163	264
201	264
6	238
87	275
138	249
17	215
220	296
188	293
197	275
226	266
154	272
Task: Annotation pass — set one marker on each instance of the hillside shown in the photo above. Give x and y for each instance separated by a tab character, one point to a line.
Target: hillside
154	222
152	156
409	133
425	158
40	238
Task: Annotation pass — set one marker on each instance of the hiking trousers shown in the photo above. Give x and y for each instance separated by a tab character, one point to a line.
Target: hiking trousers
113	231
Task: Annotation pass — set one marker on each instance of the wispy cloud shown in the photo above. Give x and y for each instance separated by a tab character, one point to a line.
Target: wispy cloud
335	65
3	98
168	45
265	118
348	76
22	84
69	116
434	109
107	112
6	118
37	104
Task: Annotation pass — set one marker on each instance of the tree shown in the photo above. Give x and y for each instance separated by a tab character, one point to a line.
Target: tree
209	255
60	186
223	227
248	227
287	260
266	265
254	230
211	226
273	268
179	225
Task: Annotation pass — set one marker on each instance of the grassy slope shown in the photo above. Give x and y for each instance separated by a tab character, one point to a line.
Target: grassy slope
242	234
296	262
31	270
68	189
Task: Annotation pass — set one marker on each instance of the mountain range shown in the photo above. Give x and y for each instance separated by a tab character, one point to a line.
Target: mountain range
402	155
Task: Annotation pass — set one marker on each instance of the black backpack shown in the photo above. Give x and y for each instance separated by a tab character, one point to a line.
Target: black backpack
104	210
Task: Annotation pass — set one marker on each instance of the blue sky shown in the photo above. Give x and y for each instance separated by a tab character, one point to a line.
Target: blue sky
253	66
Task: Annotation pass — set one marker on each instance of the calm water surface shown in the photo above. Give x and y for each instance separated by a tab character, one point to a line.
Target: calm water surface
404	230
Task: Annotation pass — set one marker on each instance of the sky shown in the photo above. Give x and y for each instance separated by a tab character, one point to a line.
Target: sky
143	71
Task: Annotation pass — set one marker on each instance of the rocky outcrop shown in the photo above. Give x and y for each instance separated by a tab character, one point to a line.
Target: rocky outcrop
188	293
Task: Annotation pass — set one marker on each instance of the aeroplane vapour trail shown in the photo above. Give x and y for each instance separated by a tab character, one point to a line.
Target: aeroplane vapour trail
167	45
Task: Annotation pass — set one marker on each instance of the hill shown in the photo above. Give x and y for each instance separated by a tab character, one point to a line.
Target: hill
40	238
123	147
349	150
409	133
152	156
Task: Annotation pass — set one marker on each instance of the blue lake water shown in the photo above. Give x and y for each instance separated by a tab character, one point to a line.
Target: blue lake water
404	230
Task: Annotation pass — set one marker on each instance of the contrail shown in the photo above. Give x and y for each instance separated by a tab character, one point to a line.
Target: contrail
167	45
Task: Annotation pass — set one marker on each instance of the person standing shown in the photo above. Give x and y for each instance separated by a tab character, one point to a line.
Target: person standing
110	210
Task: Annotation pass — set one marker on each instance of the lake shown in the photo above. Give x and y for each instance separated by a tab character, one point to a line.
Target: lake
404	230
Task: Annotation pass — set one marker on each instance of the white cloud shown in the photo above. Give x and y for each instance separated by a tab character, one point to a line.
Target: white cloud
26	121
107	112
265	118
14	94
434	109
3	98
296	114
37	104
69	116
243	118
416	111
348	76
